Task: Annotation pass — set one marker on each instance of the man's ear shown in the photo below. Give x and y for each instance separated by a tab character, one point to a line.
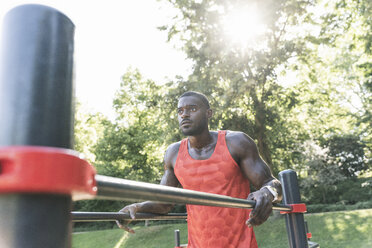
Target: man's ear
209	113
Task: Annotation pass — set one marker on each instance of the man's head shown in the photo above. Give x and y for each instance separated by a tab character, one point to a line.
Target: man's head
193	113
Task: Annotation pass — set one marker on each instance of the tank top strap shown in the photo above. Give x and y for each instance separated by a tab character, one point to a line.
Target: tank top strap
221	138
183	146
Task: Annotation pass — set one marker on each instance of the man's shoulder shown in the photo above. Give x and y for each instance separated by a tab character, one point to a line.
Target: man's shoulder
239	139
237	135
174	147
171	154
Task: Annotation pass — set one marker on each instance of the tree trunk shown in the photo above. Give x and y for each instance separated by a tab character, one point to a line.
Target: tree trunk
324	196
263	146
262	142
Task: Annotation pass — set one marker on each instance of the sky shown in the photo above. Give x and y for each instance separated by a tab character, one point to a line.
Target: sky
111	36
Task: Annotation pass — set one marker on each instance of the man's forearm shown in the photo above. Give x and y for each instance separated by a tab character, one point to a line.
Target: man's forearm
154	207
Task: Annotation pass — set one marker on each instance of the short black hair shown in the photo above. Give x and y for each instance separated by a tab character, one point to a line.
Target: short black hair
199	95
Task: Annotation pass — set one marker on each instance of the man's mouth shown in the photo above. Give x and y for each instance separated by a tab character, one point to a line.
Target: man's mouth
185	122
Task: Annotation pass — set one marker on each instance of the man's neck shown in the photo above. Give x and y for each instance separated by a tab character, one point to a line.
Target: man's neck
201	140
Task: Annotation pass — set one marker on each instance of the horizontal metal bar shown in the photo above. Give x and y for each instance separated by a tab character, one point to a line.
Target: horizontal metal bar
112	216
121	189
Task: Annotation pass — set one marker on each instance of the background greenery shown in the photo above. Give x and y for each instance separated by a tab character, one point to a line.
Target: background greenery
304	94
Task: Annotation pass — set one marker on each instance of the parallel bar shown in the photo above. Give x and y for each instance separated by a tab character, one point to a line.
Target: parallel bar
122	189
294	221
112	216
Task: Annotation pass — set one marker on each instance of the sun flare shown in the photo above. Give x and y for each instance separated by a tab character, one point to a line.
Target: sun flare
243	26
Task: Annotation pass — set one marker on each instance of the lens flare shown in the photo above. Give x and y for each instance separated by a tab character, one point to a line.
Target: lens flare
243	26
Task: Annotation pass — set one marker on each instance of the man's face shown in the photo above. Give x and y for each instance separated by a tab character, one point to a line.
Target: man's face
192	115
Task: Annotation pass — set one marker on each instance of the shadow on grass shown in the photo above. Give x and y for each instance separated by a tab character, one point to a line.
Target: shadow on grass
161	236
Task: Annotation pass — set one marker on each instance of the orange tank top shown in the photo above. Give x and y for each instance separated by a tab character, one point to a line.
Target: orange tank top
215	227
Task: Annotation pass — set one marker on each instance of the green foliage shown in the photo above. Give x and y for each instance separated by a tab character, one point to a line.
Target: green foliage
342	61
347	151
322	174
346	192
132	146
241	78
88	129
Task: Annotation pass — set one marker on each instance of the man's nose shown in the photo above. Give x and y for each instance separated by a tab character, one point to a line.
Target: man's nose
185	113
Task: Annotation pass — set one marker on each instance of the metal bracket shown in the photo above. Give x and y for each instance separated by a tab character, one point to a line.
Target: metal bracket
296	208
34	169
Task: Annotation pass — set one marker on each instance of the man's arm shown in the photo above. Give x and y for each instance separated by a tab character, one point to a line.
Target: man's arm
245	152
168	179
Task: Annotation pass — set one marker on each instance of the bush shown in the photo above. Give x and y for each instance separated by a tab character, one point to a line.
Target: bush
350	191
318	208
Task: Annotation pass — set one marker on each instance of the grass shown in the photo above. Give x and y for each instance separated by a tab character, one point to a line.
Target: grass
149	237
332	229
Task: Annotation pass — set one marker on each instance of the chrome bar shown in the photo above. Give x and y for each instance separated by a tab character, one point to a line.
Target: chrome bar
112	216
121	189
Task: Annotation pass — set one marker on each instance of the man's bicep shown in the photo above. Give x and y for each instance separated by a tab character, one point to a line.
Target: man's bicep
170	158
253	166
257	171
169	178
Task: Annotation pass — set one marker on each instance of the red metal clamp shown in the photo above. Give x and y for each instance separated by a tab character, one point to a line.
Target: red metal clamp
35	169
296	208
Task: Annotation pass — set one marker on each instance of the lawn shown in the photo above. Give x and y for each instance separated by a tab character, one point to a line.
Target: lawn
332	230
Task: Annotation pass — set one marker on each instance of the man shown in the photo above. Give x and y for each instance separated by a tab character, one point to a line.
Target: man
223	162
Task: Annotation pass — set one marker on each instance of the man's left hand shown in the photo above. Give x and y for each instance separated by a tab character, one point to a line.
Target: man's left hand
263	208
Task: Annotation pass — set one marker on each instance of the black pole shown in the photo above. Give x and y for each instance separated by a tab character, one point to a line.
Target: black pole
177	239
294	221
36	90
121	189
112	216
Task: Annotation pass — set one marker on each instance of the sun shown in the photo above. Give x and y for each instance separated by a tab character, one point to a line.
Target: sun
243	26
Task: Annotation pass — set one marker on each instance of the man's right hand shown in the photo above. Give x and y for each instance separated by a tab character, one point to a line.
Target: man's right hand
132	210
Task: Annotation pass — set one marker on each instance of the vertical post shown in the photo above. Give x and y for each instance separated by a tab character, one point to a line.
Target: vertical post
36	109
307	229
294	221
177	238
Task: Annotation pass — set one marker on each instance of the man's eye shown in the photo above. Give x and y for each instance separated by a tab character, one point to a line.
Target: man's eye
180	111
193	109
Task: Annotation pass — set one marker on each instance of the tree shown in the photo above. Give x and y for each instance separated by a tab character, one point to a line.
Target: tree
335	98
132	146
88	129
241	78
322	174
347	152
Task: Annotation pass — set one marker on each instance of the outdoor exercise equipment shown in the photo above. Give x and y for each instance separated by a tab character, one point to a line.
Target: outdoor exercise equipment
40	174
35	110
109	216
121	189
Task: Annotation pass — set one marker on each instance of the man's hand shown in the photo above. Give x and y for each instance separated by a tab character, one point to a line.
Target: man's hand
132	210
263	207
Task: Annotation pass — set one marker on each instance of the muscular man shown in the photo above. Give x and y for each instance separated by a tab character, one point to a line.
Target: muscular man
223	162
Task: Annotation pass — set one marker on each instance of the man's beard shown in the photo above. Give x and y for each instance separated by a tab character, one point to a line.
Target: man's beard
196	130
